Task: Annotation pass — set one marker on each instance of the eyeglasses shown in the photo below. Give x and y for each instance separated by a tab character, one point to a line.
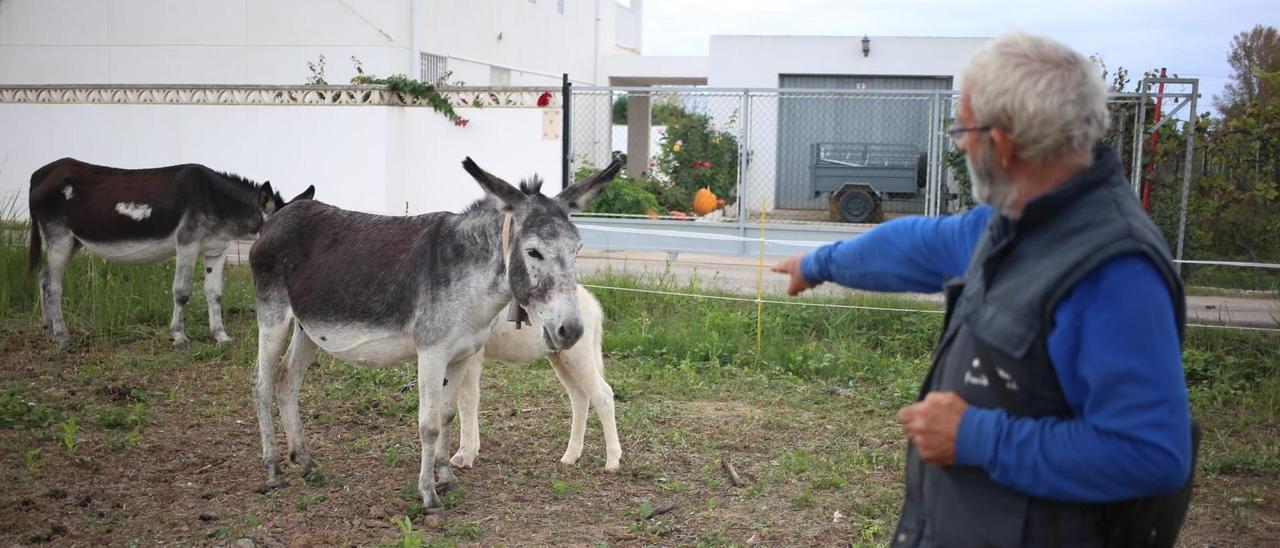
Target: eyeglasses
957	132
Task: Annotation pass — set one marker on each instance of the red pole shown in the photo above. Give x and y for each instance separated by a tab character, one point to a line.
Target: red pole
1155	140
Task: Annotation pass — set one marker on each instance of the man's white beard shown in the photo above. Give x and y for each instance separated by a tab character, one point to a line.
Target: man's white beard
990	185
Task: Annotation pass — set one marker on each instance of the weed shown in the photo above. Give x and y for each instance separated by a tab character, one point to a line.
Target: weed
69	428
409	538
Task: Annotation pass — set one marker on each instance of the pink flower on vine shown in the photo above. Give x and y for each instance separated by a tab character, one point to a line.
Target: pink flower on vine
544	99
461	122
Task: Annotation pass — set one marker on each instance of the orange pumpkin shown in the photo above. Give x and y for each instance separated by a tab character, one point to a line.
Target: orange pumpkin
704	201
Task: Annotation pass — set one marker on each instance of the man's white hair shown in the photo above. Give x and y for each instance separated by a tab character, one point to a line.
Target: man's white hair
1050	98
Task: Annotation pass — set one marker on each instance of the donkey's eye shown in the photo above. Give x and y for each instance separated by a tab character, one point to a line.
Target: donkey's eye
534	254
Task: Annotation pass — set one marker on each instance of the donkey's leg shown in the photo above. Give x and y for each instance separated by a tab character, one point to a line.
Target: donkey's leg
213	262
61	246
445	479
469	413
601	395
578	402
273	331
301	354
431	375
183	271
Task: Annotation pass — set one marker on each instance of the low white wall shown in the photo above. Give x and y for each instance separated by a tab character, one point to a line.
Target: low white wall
378	159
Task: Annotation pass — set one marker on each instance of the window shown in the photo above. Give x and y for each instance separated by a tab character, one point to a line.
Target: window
560	7
434	67
499	77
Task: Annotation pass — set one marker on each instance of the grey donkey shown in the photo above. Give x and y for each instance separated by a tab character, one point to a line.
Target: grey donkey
384	290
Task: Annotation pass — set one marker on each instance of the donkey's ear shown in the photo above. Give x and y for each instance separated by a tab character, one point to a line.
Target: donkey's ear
505	196
576	197
307	194
267	198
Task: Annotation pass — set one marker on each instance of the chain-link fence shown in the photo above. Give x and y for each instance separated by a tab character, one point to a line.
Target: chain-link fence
865	156
799	155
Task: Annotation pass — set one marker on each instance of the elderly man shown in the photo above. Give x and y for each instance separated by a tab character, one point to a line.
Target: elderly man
1057	390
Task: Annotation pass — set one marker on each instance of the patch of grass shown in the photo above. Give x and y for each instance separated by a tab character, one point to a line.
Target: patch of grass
562	489
117	418
1235	394
467	532
392	455
308	499
711	336
19	410
1232	277
48	535
453	498
31	461
109	301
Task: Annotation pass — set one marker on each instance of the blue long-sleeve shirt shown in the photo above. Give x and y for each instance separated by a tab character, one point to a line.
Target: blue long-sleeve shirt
1114	346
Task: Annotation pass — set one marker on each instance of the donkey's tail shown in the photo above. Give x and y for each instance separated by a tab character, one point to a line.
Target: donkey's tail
33	253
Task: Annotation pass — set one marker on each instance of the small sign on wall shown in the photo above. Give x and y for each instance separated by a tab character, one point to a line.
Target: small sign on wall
551	124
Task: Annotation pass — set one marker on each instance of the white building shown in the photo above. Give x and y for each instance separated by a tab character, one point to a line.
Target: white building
360	154
393	159
253	42
784	127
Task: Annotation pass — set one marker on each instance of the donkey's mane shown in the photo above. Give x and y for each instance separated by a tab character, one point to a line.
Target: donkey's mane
530	186
238	180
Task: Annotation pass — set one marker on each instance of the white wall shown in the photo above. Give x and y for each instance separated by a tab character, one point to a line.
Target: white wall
199	42
760	61
366	158
757	61
505	142
271	41
535	38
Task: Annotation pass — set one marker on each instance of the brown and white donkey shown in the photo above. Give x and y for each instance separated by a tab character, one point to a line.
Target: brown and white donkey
143	216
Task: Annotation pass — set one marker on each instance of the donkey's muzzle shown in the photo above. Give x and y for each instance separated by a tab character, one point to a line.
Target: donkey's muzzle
567	334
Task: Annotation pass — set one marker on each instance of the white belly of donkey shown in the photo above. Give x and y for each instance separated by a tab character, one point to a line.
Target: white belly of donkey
363	344
132	252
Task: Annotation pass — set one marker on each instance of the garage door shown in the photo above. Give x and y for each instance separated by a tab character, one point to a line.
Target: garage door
817	118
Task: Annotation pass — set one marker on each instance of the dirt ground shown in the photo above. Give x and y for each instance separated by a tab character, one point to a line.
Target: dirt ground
164	450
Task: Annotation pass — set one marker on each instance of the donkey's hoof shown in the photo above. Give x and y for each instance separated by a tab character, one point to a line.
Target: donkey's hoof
462	460
432	503
272	485
611	468
447	485
221	339
181	344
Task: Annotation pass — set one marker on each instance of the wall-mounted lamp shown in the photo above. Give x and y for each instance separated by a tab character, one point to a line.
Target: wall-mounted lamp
866	46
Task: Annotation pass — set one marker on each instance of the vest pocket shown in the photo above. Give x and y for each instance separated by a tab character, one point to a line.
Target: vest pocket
1009	333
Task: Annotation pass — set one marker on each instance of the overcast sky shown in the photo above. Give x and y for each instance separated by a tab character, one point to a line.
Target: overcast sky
1191	38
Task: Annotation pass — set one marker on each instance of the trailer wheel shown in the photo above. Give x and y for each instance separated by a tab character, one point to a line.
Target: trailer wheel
857	205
